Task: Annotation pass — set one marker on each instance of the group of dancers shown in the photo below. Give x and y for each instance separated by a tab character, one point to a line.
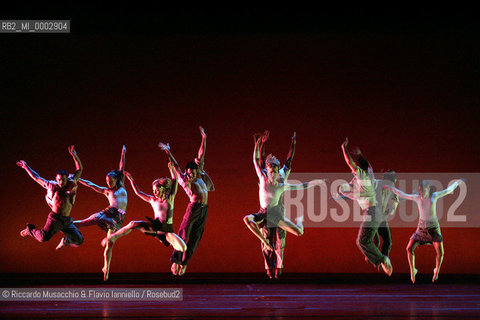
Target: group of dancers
61	198
377	198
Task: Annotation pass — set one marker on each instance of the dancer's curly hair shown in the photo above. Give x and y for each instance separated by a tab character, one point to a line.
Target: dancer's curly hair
272	160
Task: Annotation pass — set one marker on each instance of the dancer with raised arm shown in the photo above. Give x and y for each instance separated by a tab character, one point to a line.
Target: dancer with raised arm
162	201
270	190
275	236
428	229
387	203
197	184
111	218
363	184
60	198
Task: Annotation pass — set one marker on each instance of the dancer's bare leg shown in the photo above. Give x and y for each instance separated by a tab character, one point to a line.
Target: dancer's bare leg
179	245
438	259
142	226
412	244
174	268
61	244
90	221
386	266
107	257
278	272
25	232
177	242
270	273
182	268
253	227
289	226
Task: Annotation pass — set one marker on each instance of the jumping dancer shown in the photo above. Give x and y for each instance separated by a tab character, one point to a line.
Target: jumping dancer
428	229
111	218
387	203
60	198
162	201
275	236
196	183
270	191
364	193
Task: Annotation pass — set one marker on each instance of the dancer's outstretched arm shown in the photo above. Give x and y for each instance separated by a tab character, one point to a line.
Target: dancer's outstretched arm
93	186
35	176
401	194
174	188
203	148
166	147
142	195
78	163
121	165
348	157
262	152
305	185
450	189
291	153
256	162
200	161
181	178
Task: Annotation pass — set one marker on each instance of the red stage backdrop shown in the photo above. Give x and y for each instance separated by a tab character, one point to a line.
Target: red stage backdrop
408	100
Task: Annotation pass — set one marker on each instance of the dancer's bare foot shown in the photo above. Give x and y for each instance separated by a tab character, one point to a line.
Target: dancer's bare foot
387	266
174	269
436	273
108	240
278	273
413	273
182	269
61	244
105	274
269	273
24	232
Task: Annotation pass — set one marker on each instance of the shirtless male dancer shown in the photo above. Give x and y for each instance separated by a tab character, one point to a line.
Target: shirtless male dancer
270	191
164	191
364	193
196	183
275	236
428	229
111	218
60	198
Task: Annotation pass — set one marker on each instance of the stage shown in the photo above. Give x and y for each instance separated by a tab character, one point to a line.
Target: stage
224	296
402	85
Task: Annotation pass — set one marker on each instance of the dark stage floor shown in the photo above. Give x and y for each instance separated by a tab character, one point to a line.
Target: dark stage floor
224	296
